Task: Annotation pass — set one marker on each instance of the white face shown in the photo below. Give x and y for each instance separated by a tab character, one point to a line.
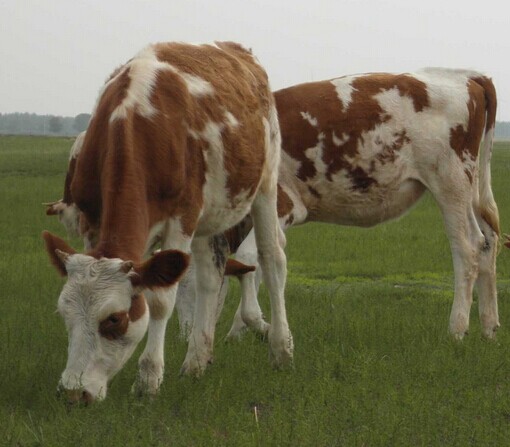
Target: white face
105	320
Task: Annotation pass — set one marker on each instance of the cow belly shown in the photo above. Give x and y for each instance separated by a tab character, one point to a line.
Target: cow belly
367	208
218	219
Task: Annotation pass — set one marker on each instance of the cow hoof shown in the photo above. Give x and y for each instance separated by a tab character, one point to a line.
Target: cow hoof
490	332
262	329
149	379
142	388
281	352
459	336
195	366
236	332
459	326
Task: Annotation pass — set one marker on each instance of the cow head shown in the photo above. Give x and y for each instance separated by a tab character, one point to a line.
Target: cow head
104	312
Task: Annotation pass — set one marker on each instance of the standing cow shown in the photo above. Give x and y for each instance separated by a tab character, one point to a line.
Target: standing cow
360	150
182	144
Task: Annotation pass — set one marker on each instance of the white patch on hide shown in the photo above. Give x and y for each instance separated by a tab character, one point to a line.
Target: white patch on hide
143	72
344	138
197	86
344	90
230	120
315	154
311	120
77	145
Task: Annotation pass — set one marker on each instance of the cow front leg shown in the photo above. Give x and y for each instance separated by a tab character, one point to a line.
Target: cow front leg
151	364
209	260
161	303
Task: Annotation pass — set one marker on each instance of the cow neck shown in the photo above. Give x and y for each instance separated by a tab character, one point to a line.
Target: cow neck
125	222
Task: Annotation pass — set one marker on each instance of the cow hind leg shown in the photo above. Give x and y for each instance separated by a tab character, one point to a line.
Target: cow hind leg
185	302
209	270
186	293
248	314
466	240
486	281
270	243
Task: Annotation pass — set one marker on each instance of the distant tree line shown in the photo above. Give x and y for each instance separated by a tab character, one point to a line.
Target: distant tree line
33	124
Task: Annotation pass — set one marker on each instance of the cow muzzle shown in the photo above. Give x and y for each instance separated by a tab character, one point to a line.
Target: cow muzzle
75	397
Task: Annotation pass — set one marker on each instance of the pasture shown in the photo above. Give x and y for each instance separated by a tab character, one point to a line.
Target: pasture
369	309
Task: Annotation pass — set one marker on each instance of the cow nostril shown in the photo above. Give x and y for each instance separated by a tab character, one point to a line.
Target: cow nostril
73	396
86	397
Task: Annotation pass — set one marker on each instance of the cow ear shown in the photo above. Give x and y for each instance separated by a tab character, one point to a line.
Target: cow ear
236	268
161	270
58	250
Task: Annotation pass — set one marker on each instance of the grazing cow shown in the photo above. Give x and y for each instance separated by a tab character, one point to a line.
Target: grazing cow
183	143
76	225
360	150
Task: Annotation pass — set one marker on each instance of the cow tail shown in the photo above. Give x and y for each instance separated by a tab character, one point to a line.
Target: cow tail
488	207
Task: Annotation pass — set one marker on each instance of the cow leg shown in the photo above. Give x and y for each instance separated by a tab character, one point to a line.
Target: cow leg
185	302
270	242
161	305
209	268
152	363
186	296
466	239
486	281
248	314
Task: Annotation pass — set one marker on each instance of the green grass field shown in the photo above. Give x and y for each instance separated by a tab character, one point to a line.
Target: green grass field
374	365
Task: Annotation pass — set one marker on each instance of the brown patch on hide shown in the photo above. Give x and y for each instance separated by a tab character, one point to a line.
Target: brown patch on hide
412	88
114	326
240	87
314	192
284	202
67	199
465	140
388	152
138	307
360	179
362	115
237	234
90	180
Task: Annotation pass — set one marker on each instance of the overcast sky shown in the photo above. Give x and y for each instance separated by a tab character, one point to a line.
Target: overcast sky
55	54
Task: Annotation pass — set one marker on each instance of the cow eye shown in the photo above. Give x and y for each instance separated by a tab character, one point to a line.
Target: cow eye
113	319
